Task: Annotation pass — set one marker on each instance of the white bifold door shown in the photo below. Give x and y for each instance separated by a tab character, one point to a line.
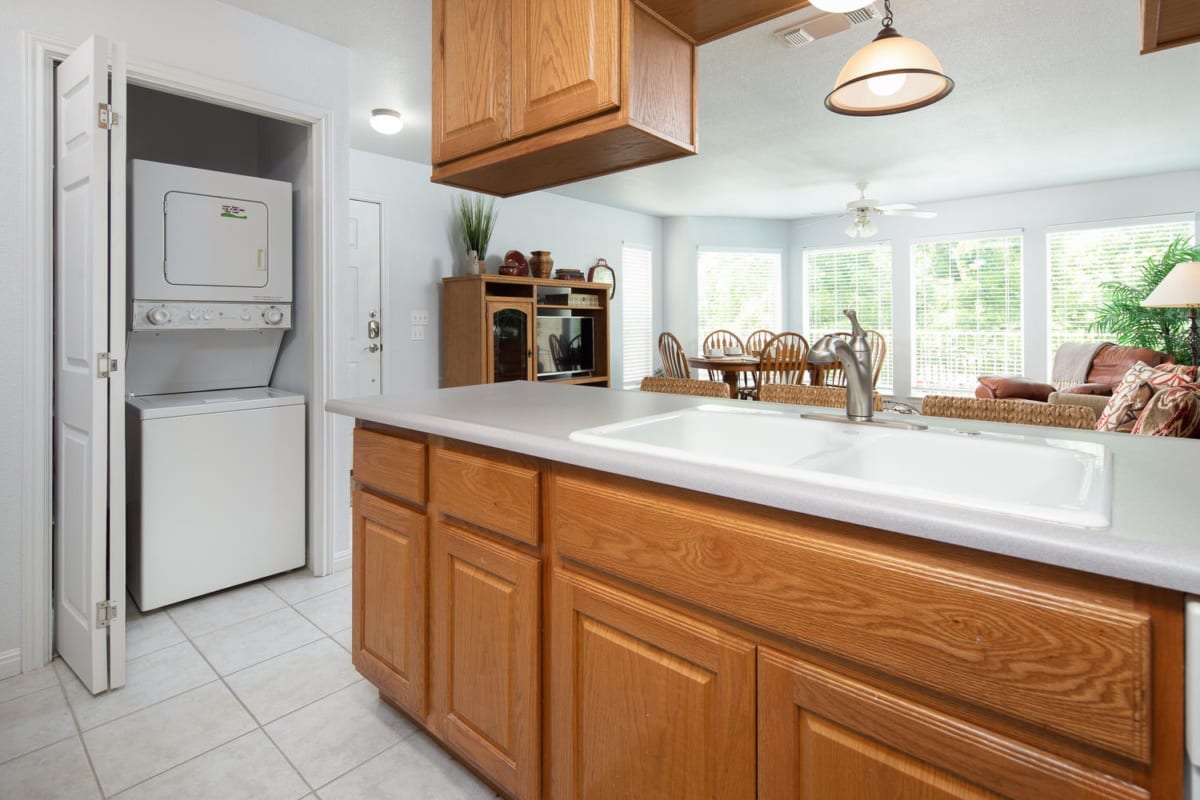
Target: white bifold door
89	344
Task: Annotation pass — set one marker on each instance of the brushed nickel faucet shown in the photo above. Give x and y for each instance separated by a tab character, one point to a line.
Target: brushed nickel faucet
856	364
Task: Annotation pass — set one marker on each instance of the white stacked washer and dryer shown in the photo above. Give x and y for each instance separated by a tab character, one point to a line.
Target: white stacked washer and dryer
216	474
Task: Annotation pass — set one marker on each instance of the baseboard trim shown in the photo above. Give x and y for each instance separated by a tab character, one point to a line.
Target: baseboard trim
342	560
10	663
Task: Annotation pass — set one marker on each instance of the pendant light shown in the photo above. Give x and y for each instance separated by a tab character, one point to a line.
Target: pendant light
889	76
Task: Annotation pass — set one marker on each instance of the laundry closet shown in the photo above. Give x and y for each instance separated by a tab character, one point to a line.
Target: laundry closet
217	347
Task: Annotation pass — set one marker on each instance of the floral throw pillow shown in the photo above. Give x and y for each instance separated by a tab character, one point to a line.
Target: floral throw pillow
1136	389
1171	412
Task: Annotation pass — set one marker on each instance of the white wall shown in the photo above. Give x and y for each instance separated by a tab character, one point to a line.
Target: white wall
1032	212
683	236
198	36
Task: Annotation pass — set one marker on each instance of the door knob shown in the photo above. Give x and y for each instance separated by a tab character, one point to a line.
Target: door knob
374	348
373	329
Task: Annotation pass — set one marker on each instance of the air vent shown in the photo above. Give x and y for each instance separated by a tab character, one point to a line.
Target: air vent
819	24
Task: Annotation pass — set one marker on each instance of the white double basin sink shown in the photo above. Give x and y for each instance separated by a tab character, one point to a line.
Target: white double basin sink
1034	477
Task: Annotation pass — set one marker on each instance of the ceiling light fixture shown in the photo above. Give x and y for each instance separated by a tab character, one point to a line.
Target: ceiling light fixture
862	227
839	6
890	75
386	120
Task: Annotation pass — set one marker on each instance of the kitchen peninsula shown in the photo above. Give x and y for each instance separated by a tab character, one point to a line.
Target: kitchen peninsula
575	621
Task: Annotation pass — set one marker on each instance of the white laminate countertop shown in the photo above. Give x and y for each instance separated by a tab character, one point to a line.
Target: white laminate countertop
1154	537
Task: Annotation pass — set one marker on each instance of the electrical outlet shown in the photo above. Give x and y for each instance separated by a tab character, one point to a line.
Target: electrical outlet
420	318
418	333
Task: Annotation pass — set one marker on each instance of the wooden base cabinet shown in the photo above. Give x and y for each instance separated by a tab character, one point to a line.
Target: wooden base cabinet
645	702
486	656
388	637
823	735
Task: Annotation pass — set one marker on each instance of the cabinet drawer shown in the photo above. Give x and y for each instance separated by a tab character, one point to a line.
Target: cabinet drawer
1065	651
497	491
390	464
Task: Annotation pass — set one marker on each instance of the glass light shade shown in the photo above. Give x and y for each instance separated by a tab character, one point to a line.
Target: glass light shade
839	6
890	75
861	229
386	120
1180	289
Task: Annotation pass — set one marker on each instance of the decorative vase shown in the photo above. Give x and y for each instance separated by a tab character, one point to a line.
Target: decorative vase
541	263
474	263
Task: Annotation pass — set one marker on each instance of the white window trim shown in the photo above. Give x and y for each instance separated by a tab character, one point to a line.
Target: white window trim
634	385
1127	222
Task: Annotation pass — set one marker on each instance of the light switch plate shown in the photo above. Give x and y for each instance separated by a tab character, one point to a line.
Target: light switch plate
418	333
420	318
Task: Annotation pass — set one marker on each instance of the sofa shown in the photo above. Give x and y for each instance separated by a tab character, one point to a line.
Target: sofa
1107	367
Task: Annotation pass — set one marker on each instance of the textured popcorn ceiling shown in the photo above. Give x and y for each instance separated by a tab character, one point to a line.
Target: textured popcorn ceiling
1048	93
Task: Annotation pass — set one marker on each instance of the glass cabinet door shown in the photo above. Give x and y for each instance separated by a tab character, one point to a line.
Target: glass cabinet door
510	350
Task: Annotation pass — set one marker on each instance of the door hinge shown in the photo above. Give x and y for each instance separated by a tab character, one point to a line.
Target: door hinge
106	613
106	365
107	118
352	488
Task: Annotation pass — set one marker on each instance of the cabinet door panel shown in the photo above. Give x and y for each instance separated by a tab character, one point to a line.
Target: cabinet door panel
510	351
826	736
566	61
646	702
470	76
389	599
485	656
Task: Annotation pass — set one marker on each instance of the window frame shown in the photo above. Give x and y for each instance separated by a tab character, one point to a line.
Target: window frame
624	294
777	289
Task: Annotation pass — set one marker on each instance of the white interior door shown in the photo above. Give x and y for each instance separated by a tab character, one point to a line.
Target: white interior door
83	324
365	345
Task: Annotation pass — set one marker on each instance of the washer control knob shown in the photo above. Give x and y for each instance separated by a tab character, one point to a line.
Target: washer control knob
273	316
245	316
208	315
193	314
158	316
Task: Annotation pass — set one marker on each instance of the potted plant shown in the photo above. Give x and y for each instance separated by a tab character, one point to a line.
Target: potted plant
1123	314
476	217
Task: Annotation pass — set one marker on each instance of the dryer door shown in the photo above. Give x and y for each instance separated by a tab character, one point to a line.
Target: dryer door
215	241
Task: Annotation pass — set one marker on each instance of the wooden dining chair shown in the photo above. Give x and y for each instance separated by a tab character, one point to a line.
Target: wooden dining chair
834	375
783	360
674	360
685	386
756	341
824	396
719	340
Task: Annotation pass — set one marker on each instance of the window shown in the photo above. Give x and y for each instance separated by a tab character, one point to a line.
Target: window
637	347
858	277
738	291
966	311
1080	260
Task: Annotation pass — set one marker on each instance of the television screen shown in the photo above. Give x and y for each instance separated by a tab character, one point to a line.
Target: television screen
565	346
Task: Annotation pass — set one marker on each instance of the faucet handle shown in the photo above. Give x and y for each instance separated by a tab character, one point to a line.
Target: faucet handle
855	328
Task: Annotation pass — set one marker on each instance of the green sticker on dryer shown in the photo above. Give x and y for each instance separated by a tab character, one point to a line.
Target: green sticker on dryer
233	212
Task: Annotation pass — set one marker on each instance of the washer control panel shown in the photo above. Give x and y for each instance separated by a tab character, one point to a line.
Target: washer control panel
147	316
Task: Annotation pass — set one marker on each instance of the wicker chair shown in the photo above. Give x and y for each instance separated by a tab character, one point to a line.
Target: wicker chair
684	386
1020	412
783	360
674	360
719	340
824	396
756	341
834	375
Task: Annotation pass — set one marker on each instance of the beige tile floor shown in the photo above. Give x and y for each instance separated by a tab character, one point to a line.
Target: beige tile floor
248	693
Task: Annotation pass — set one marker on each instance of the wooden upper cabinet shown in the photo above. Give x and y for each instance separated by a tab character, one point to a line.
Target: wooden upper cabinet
823	735
1169	23
598	86
566	61
471	68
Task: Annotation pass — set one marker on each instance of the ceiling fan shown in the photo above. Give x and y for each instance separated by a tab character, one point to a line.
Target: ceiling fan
862	227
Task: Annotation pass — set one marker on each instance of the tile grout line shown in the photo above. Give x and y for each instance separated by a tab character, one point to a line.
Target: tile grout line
87	754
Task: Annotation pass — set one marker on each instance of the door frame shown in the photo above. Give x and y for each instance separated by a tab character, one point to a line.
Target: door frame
38	56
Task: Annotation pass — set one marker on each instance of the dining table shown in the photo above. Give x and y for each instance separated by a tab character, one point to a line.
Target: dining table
731	367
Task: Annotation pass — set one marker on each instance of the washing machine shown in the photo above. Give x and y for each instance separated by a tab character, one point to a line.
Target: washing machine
216	457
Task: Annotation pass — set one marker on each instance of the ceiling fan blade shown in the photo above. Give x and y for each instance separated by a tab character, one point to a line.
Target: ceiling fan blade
915	212
896	207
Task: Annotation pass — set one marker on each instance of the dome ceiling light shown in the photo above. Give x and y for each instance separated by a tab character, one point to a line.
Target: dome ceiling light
386	120
840	6
889	76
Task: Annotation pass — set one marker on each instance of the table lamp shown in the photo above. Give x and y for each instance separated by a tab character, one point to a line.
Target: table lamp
1180	289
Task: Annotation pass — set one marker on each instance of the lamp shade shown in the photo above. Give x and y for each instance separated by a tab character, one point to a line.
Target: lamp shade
840	6
386	120
1181	288
890	75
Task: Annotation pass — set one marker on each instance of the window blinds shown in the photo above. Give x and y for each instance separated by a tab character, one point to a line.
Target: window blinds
1081	259
738	291
637	335
966	311
858	277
